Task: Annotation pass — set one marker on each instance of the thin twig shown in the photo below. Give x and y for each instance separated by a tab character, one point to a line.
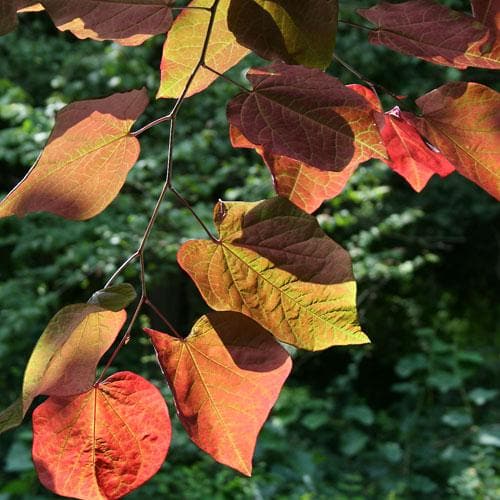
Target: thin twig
355	25
163	318
366	80
227	78
195	215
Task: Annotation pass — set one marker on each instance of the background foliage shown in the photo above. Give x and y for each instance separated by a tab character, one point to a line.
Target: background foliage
413	414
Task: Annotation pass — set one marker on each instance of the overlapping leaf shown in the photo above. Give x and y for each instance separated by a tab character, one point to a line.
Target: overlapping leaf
292	31
308	116
65	357
426	29
85	162
409	155
128	22
183	49
225	377
103	443
487	12
274	264
462	120
305	186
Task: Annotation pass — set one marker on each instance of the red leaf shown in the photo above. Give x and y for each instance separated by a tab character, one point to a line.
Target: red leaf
103	443
85	162
128	22
368	94
487	12
426	29
225	377
305	186
462	120
409	155
308	116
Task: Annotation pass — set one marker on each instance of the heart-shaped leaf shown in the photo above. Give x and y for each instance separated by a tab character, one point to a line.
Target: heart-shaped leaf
225	377
274	264
103	443
85	162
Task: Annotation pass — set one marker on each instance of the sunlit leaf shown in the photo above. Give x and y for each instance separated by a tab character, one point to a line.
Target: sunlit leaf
85	161
103	443
409	155
128	22
225	377
305	186
292	31
462	120
275	264
183	49
431	31
308	116
65	357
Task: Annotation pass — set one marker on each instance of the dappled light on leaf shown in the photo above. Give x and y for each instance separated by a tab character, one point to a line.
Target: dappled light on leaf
103	443
463	121
284	30
183	49
85	161
65	357
308	116
426	29
225	377
275	264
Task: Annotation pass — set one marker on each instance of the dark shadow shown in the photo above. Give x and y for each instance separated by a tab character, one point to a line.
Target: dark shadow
294	242
247	342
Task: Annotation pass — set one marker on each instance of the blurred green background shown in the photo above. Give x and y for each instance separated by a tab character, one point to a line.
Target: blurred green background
413	415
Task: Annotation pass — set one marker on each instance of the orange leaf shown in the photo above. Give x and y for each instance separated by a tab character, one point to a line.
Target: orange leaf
103	443
182	50
128	22
85	162
462	120
65	357
409	155
274	264
305	186
225	377
308	116
430	31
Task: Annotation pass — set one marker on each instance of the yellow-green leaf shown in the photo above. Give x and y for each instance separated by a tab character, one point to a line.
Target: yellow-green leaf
65	357
274	264
183	48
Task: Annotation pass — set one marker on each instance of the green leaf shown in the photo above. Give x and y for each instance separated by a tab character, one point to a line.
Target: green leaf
115	297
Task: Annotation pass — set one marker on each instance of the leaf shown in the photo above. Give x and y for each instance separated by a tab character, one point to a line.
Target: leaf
308	116
183	48
487	12
85	161
409	155
8	18
305	186
65	357
114	298
292	31
462	120
274	264
103	443
128	22
430	31
225	378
